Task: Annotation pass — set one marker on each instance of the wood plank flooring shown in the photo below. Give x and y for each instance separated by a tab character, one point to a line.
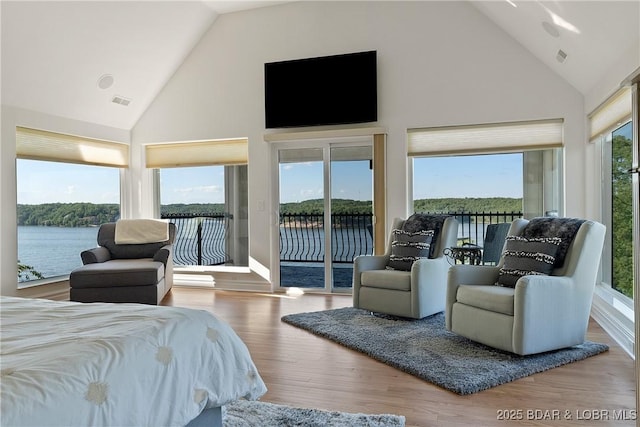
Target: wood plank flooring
301	369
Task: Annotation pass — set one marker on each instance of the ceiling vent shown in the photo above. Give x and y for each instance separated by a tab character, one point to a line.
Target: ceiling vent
561	56
121	100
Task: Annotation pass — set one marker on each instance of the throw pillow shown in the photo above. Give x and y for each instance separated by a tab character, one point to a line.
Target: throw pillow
526	256
422	221
564	228
407	247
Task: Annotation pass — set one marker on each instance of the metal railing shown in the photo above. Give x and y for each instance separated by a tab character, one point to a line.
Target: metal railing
302	237
472	226
201	238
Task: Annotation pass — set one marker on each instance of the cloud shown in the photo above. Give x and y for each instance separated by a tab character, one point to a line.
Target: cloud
199	189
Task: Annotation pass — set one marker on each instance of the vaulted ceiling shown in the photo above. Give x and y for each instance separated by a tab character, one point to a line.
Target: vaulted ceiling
72	58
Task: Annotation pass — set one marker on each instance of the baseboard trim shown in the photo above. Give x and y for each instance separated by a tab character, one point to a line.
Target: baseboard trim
228	281
614	324
58	291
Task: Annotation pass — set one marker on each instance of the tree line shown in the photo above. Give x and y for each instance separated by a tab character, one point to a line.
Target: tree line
90	214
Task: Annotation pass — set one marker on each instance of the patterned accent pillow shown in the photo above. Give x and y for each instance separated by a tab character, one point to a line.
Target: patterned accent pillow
564	228
526	256
407	247
420	221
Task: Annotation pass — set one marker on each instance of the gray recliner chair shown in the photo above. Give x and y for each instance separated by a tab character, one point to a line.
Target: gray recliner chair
414	293
541	312
134	273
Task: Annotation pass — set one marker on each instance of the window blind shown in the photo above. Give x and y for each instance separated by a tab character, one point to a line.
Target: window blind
197	153
613	112
34	144
483	138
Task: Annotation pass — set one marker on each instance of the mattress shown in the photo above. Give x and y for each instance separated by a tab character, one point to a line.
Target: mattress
99	364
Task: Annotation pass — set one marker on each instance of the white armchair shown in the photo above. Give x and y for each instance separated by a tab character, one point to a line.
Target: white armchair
417	293
541	313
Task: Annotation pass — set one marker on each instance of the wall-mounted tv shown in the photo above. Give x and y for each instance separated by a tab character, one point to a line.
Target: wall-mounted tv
328	90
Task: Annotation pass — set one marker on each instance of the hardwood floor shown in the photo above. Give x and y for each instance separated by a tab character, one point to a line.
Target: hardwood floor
301	369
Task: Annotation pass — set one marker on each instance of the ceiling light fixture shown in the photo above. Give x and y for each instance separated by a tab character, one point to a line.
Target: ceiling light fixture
105	81
557	19
551	29
560	22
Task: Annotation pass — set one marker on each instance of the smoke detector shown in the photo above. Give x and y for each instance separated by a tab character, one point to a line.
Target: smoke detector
105	81
551	29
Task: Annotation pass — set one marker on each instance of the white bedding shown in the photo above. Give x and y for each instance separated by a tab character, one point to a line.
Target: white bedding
74	364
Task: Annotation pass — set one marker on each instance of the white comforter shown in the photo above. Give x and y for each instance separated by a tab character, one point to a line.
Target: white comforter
73	364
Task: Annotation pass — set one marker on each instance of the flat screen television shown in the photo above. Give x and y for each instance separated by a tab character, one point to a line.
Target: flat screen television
328	90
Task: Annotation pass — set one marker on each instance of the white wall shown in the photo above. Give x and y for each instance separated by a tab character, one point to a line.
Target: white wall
439	63
12	117
615	75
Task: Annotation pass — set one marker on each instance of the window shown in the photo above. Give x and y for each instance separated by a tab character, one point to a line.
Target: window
622	211
611	128
488	188
489	173
612	131
209	206
618	210
66	187
204	190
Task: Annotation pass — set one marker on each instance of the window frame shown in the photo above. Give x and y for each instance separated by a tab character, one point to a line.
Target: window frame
227	152
613	310
61	277
620	302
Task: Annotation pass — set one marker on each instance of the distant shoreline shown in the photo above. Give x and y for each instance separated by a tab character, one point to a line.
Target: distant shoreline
92	214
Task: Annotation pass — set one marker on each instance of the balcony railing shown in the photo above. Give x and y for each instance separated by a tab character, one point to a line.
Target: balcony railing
472	226
302	237
201	238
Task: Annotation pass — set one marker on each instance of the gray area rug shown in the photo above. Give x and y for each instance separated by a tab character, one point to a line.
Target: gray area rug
424	348
244	413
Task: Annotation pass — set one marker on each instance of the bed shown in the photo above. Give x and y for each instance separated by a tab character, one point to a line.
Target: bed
73	364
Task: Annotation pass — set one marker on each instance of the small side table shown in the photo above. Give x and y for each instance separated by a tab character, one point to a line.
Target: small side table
466	254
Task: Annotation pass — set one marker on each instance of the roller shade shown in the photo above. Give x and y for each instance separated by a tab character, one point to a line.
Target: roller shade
197	153
612	113
338	154
36	144
503	137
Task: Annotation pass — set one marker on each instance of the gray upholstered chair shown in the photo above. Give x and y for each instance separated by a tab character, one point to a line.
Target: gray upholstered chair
416	293
135	273
494	242
541	312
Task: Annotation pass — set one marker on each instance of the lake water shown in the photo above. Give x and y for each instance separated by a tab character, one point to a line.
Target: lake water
54	251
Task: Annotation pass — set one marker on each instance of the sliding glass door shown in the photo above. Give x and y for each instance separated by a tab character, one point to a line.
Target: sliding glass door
325	214
351	210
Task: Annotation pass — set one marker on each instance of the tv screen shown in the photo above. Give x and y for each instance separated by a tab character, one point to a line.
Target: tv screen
327	90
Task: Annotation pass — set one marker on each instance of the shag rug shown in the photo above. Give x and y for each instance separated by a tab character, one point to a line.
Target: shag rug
243	413
425	349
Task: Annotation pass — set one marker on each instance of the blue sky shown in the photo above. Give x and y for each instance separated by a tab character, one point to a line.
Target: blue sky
51	182
462	176
435	177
